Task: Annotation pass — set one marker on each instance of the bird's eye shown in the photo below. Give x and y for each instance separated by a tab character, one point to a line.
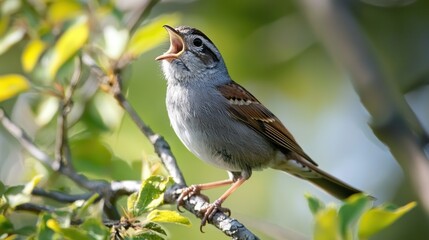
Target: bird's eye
197	42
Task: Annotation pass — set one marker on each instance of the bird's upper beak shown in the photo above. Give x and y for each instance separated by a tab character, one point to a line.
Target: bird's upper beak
177	45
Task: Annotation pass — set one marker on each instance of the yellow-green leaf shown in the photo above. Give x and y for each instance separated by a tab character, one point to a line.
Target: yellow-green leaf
11	85
380	217
131	202
22	194
61	10
314	204
115	41
5	224
31	54
54	225
150	196
13	36
326	225
89	207
9	7
150	35
351	211
32	184
4	24
68	44
167	216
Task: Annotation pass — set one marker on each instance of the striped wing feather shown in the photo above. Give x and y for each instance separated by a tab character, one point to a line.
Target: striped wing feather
246	108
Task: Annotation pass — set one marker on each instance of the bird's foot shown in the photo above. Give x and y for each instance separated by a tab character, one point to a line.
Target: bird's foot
210	211
189	192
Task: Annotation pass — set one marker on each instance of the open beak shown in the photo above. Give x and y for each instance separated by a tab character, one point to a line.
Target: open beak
177	45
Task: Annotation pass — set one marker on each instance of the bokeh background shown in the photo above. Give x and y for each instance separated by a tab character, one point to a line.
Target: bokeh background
271	48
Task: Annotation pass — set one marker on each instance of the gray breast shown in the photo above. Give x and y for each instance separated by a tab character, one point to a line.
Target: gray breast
207	130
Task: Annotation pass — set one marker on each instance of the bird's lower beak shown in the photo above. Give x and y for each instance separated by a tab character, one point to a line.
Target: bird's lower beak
177	45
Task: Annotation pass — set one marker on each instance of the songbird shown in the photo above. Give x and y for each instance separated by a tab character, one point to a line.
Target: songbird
223	124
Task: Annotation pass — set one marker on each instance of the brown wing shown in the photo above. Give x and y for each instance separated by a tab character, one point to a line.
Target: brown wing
246	108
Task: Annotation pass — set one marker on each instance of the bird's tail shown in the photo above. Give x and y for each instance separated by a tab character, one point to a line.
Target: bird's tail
334	186
320	178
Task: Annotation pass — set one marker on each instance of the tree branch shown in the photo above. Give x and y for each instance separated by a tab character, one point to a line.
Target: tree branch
59	196
109	191
25	140
162	148
392	119
34	208
139	15
229	226
62	149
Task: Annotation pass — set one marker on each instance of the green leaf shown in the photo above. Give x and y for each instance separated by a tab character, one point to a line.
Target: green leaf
13	36
25	231
9	7
156	228
107	109
151	35
5	225
314	204
91	156
68	233
4	24
90	229
2	188
54	225
11	85
61	10
32	184
95	228
146	236
21	194
68	44
124	170
150	195
43	231
132	201
84	208
31	54
350	213
115	41
168	216
326	225
381	217
3	200
46	110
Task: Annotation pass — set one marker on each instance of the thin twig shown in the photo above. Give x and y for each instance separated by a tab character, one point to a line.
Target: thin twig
109	191
25	140
62	149
34	208
139	15
60	196
162	148
121	188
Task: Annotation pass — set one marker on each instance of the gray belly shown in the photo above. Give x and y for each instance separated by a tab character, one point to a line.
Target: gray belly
219	140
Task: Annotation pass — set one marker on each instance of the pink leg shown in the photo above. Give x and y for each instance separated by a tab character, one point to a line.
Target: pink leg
212	208
196	189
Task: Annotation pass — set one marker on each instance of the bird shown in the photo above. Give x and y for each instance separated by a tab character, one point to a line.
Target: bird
223	124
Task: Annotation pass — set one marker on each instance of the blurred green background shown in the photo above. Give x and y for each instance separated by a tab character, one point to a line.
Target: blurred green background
270	48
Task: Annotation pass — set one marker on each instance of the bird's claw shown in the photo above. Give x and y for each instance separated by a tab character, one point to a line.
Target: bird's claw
189	192
211	210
